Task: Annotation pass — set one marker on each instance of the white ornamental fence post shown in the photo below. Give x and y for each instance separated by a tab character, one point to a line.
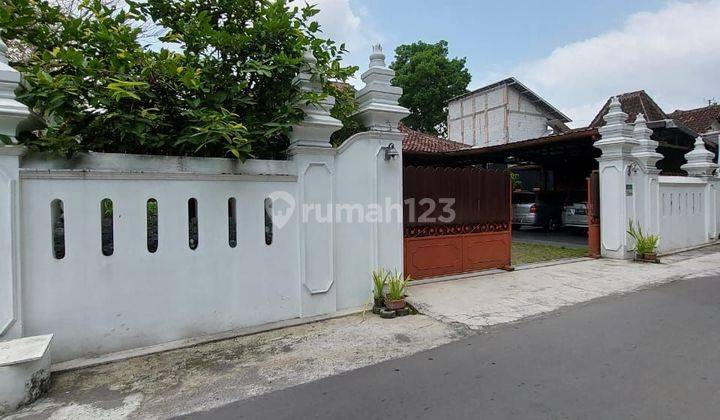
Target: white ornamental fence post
310	148
645	177
616	188
380	113
12	115
701	164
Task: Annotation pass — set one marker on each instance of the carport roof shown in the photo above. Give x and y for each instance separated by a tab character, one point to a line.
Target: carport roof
419	142
576	140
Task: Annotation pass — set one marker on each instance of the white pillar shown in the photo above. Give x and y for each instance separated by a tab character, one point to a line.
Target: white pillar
616	188
380	113
645	179
310	148
12	115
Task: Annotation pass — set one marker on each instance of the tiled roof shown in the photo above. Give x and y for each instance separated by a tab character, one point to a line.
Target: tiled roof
416	141
699	120
632	104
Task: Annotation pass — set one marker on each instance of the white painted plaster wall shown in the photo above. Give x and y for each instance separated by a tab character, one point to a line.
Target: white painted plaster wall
682	209
370	245
96	304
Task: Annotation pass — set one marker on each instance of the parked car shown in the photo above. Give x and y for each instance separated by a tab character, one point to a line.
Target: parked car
537	208
575	215
575	212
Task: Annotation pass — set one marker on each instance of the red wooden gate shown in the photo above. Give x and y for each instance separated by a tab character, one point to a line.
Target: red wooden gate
457	220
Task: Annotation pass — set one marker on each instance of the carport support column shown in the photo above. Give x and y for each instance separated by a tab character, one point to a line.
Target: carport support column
12	115
310	148
616	187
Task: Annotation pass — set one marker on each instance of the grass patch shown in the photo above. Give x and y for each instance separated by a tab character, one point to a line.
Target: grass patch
525	253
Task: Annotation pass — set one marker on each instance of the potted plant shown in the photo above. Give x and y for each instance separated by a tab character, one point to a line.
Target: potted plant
645	245
379	279
396	286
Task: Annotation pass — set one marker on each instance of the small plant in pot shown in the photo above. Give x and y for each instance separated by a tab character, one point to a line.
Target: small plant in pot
396	287
379	278
645	245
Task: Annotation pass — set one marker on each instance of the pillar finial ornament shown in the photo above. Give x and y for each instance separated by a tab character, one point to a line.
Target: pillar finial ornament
377	58
318	125
3	51
646	150
14	116
378	107
700	161
616	136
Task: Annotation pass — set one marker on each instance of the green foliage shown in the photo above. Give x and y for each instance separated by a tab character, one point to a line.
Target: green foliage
152	207
107	207
396	286
644	244
379	279
345	107
429	80
516	182
219	83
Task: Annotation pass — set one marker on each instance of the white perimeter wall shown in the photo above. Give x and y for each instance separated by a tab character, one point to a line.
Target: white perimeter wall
96	304
682	210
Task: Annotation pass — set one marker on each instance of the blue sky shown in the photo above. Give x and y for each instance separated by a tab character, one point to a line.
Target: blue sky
496	35
573	53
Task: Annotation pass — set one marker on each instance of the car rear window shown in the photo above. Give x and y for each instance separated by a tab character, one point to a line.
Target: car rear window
521	198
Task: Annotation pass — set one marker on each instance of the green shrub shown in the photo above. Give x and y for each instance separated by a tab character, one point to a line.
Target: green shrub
379	278
219	81
644	244
396	286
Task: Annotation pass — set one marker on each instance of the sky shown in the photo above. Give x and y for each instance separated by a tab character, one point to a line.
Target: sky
574	54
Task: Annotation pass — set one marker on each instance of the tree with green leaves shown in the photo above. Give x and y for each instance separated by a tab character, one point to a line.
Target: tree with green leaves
219	81
429	80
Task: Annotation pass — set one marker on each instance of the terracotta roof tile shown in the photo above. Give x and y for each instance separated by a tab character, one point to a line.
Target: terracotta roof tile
632	104
416	141
699	120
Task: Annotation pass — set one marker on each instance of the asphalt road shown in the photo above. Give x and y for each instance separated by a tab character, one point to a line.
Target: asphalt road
653	354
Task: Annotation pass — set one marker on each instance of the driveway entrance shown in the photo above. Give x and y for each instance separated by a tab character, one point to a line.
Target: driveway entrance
567	237
457	220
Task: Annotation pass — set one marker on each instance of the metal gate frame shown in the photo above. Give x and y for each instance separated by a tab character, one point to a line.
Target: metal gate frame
593	206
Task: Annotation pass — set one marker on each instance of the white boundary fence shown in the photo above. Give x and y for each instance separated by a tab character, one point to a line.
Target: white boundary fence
100	293
683	211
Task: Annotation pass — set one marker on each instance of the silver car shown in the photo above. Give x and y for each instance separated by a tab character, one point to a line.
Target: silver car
575	215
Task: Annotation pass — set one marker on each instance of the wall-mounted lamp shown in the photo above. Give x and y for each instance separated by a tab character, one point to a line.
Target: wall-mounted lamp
391	152
632	168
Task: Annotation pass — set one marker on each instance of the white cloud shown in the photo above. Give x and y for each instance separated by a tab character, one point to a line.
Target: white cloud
341	23
673	53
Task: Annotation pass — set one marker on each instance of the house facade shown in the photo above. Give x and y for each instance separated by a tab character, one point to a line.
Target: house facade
501	113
